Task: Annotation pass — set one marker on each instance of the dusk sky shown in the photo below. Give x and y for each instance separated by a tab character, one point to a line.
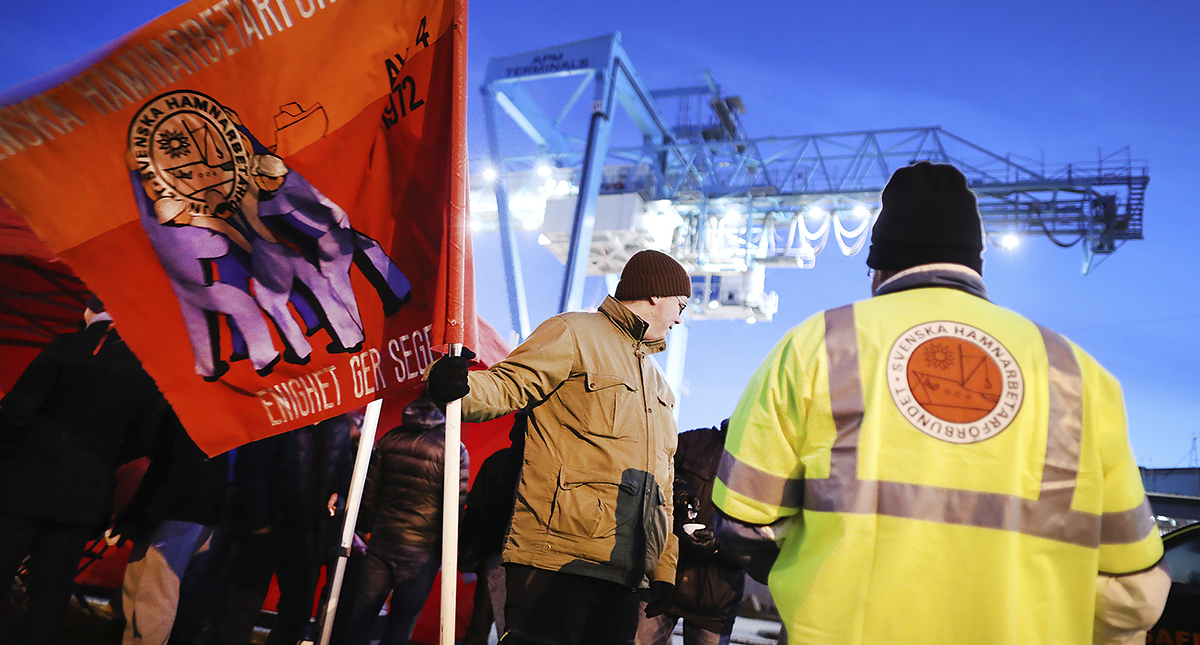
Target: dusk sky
1064	82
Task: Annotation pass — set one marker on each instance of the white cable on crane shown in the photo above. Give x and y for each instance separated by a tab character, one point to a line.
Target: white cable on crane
843	233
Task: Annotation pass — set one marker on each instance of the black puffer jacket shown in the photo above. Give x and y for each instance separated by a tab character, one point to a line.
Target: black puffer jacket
402	499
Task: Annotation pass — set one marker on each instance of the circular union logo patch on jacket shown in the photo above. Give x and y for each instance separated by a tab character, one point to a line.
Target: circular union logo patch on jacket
954	382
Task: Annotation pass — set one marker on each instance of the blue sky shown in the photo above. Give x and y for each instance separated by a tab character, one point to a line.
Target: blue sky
1063	81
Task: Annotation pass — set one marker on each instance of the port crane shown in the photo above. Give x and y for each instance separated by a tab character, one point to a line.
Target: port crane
725	203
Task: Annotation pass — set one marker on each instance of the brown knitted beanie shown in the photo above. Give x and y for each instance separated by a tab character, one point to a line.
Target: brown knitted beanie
652	274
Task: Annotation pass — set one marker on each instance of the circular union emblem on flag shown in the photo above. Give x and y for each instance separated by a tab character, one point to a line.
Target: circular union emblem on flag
954	382
186	147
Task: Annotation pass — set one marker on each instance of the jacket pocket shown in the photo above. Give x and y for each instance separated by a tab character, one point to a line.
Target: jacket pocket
608	396
585	504
657	525
666	400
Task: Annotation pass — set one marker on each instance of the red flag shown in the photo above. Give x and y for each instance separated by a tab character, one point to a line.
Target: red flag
269	198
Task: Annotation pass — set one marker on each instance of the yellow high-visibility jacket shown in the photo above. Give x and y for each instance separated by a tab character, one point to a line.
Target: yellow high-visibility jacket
956	473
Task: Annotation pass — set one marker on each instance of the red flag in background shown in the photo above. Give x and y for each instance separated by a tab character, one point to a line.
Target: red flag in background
269	198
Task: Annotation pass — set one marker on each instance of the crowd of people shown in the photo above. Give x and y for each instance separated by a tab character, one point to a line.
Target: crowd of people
922	467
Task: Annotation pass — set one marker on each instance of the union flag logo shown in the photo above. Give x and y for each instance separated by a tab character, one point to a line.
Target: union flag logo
954	382
191	159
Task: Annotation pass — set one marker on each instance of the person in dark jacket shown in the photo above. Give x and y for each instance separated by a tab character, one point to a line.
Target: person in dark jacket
171	516
708	584
484	527
288	490
81	408
402	510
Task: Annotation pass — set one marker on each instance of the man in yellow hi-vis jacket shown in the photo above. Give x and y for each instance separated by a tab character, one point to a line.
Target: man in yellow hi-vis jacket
934	468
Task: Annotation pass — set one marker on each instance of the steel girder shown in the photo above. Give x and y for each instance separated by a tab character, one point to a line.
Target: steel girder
745	200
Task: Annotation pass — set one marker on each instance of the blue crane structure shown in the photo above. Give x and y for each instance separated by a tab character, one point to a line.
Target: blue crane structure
724	203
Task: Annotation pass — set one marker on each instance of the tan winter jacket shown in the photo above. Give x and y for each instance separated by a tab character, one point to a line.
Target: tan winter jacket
594	496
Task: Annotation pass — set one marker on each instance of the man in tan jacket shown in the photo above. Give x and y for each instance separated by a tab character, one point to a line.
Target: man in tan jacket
592	519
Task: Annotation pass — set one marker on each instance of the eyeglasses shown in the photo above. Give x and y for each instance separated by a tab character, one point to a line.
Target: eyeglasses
682	303
870	272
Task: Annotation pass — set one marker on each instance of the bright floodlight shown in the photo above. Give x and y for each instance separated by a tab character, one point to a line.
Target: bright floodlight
489	174
1010	241
544	170
750	320
713	304
862	211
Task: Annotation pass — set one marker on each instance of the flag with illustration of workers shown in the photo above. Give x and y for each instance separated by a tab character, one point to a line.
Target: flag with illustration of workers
270	199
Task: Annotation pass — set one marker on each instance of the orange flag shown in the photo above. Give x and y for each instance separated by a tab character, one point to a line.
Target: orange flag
269	197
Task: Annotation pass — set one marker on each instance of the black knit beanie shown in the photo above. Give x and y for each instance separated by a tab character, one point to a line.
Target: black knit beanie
928	215
652	274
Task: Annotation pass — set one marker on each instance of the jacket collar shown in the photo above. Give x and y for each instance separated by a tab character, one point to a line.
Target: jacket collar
947	275
629	323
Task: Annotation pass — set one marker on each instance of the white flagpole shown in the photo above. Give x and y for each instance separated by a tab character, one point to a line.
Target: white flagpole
366	442
450	502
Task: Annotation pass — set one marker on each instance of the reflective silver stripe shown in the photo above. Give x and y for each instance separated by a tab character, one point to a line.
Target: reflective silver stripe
843	491
845	389
1066	414
748	481
1038	518
1127	527
1050	516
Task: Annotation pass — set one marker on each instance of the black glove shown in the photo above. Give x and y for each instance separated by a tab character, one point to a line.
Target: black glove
703	540
448	377
661	594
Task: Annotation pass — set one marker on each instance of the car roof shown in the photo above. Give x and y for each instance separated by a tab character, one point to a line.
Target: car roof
1180	533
